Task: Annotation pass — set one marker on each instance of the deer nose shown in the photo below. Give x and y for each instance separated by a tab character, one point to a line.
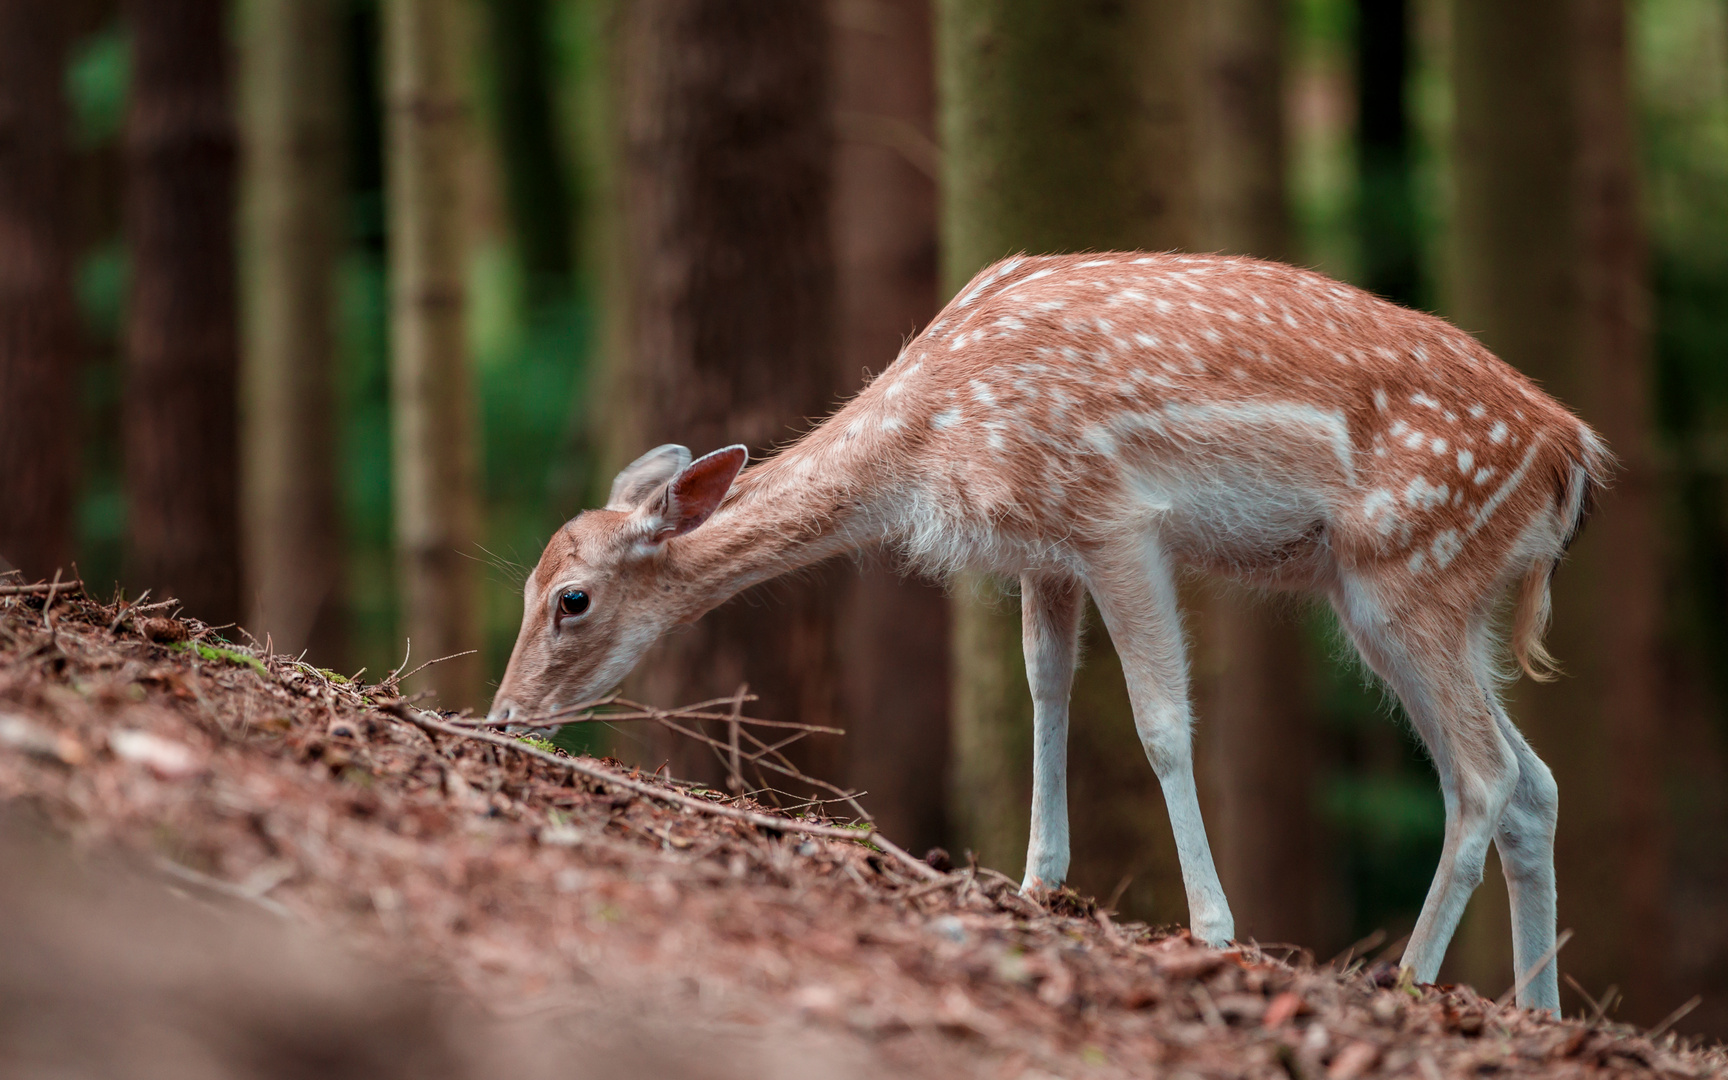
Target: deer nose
503	711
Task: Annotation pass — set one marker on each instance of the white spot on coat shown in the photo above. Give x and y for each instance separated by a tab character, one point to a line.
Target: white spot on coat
1445	546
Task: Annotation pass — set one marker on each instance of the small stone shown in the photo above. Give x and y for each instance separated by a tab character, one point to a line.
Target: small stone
20	734
1283	1009
1353	1061
559	836
166	758
1385	1008
949	928
817	1000
166	631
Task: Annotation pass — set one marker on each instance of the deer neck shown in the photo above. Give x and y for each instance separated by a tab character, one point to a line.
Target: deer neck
781	516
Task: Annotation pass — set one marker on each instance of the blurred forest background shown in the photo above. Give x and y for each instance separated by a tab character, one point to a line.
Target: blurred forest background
321	315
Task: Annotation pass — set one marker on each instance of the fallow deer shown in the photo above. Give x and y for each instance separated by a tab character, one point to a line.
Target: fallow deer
1094	423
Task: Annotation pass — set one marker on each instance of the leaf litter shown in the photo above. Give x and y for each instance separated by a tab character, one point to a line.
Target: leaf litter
530	884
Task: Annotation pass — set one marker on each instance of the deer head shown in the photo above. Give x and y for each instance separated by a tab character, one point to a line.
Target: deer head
604	589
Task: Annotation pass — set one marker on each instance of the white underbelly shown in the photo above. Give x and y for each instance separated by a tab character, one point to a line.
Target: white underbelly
1230	514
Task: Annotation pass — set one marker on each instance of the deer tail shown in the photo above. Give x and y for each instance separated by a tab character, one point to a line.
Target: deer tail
1585	474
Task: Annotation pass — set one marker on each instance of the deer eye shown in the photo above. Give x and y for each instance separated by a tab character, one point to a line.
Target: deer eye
573	603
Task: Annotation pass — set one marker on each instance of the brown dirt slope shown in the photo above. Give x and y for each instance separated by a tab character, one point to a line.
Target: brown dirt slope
619	927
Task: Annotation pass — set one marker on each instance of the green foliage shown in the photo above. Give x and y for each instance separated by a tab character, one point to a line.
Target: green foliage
96	79
100	288
100	284
363	390
1322	171
1681	64
218	652
97	73
544	745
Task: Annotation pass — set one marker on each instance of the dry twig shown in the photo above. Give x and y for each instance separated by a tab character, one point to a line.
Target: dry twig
1674	1018
742	746
735	778
602	775
429	663
56	586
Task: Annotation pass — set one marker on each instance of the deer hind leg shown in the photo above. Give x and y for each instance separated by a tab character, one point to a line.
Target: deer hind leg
1427	660
1525	839
1050	635
1136	594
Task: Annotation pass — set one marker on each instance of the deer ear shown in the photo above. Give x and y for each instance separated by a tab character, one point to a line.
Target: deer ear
641	477
691	496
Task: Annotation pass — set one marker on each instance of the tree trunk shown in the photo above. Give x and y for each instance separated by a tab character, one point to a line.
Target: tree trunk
1064	128
1550	271
38	338
1258	731
1240	145
893	630
432	410
293	200
727	272
181	414
1626	561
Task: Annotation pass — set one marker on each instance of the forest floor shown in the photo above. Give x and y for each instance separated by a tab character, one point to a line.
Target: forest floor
479	903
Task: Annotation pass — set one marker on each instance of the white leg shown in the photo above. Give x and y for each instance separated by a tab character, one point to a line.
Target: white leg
1431	669
1526	842
1050	634
1136	594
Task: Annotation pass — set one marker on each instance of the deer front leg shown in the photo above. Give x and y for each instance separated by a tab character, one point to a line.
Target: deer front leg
1050	635
1136	594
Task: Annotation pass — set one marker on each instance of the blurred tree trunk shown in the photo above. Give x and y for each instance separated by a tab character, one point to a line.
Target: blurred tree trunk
1065	128
181	414
292	220
432	409
1385	163
1258	730
1627	559
728	275
38	334
893	630
537	184
1550	270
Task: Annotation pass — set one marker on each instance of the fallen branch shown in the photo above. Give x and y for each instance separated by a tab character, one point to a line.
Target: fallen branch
732	752
602	775
589	712
945	881
223	888
63	588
